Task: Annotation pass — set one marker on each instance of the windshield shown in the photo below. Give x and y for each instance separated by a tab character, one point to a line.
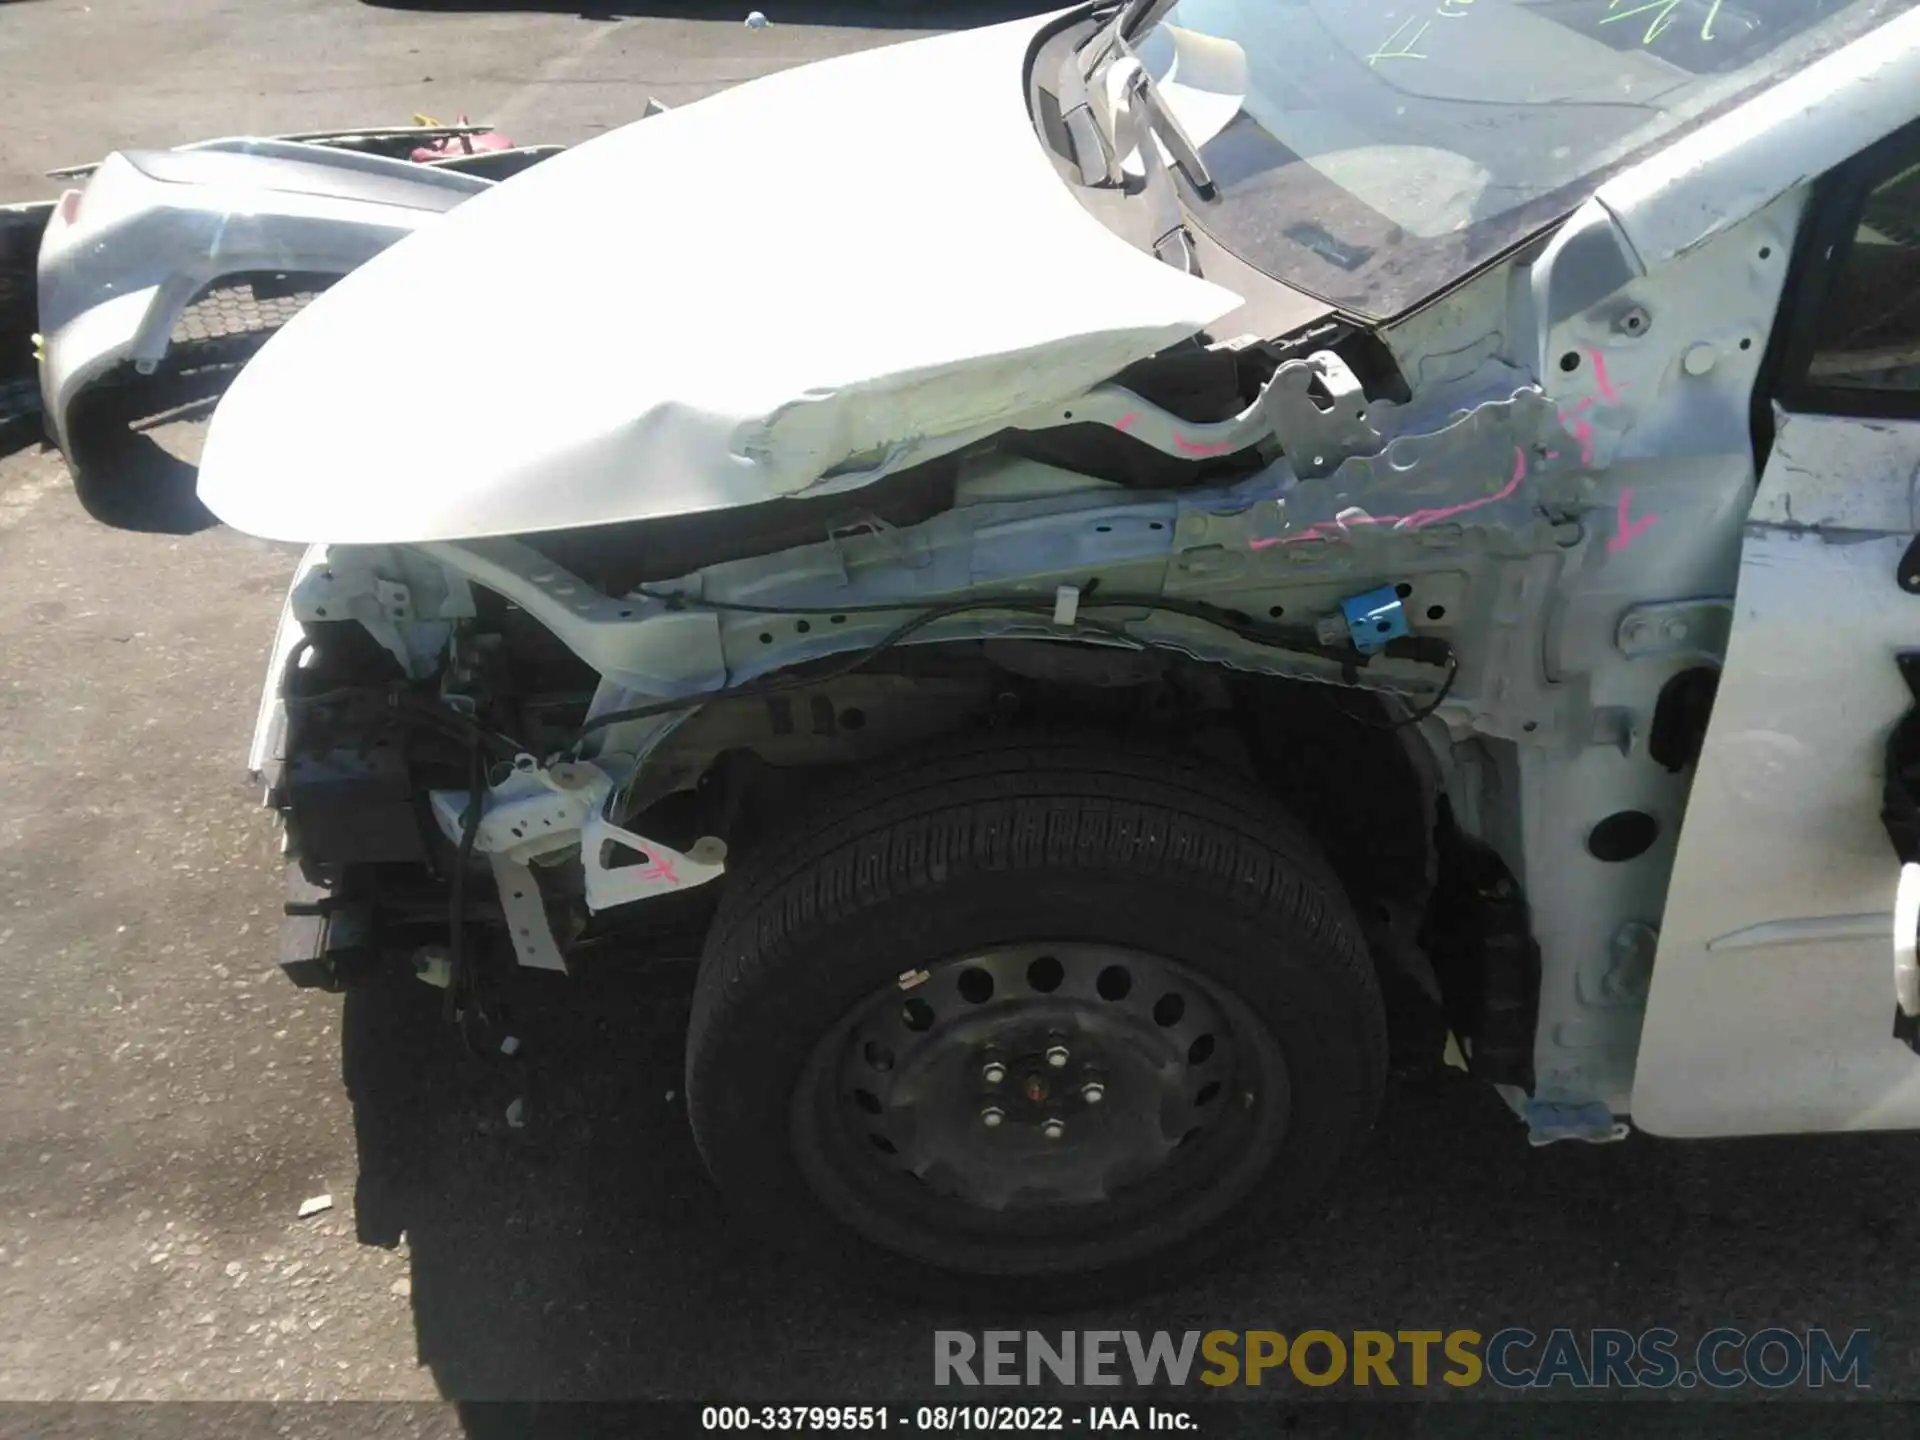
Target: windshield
1371	152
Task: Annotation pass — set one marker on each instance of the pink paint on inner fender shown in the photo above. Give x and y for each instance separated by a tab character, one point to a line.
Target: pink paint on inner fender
1196	447
1581	430
1417	519
1626	527
1600	381
1187	447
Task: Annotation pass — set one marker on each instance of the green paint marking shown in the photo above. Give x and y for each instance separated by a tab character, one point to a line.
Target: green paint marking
1404	41
1661	16
1663	13
1661	10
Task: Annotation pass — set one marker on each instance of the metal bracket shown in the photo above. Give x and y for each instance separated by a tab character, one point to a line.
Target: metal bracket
529	813
1676	627
351	583
1317	438
526	913
537	810
647	867
396	599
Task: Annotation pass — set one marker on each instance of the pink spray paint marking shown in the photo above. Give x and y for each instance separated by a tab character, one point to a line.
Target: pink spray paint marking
1581	430
1327	530
1600	381
1432	517
1190	447
1195	447
660	870
1583	433
1626	527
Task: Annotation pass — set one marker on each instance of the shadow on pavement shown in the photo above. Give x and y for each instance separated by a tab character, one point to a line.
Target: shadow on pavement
20	422
124	451
853	14
135	440
585	1255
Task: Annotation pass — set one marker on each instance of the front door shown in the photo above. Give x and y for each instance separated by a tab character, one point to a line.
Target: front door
1773	1004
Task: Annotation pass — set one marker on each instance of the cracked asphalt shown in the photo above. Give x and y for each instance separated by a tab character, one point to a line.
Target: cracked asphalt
167	1101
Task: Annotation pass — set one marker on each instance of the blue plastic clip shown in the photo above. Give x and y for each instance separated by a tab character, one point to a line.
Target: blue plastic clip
1374	618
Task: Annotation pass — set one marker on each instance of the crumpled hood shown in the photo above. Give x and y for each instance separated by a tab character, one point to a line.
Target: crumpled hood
834	271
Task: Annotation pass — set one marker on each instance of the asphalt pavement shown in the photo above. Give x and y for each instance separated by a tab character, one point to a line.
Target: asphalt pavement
168	1102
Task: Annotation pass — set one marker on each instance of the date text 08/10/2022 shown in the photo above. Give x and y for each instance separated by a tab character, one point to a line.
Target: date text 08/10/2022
979	1419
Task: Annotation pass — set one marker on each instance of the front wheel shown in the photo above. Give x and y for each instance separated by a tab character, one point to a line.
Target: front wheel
1032	1011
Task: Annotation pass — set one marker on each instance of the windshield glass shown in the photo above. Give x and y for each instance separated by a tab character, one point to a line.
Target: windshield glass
1371	152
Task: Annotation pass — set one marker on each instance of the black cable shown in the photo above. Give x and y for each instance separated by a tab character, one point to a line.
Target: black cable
859	660
1288	637
406	704
1427	650
1293	638
1427	711
675	601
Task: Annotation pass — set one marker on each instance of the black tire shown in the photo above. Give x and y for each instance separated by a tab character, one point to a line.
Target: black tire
986	843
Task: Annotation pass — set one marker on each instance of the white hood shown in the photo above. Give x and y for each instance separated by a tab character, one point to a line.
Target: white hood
852	266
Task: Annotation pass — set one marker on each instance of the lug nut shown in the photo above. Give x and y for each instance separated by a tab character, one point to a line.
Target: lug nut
993	1072
1057	1056
1093	1092
1053	1129
992	1116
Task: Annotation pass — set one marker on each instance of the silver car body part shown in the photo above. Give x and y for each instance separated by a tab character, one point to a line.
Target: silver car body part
1568	497
152	230
375	139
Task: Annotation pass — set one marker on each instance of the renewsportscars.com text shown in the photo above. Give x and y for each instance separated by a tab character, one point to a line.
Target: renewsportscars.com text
1514	1358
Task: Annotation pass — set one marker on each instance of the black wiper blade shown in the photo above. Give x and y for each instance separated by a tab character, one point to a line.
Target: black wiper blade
1135	17
1093	131
1158	122
1142	99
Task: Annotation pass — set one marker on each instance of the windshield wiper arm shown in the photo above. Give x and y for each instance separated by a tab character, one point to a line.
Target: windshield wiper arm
1155	121
1134	18
1093	130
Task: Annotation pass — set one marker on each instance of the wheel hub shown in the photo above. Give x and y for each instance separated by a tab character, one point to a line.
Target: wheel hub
1039	1075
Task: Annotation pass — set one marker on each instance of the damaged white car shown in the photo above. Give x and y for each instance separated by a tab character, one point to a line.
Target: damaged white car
1085	552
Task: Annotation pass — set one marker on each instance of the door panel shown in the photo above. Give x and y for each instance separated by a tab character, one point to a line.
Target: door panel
1772	1003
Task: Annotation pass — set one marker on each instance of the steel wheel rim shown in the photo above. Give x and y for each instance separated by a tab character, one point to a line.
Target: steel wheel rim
1042	1088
